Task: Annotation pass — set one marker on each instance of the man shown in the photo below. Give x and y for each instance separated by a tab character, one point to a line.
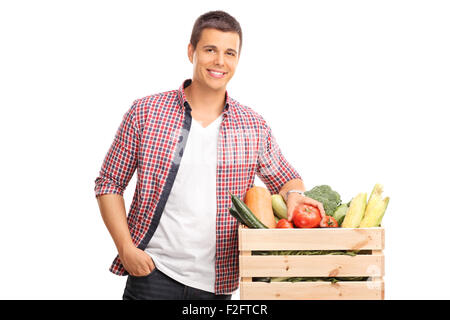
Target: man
190	147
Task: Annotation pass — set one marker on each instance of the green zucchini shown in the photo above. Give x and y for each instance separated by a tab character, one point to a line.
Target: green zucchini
236	215
246	214
340	213
279	206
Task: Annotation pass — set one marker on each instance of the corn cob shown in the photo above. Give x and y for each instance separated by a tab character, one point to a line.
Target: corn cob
355	212
375	208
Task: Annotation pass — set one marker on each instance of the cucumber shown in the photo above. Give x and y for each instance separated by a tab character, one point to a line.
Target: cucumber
244	219
236	215
246	215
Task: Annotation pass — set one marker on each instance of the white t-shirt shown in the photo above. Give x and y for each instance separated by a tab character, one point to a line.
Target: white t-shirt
184	243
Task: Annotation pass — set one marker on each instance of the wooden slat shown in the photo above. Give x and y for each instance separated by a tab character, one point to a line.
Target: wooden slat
350	290
312	239
375	275
312	266
244	255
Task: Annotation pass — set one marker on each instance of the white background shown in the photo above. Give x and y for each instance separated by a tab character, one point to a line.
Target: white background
356	93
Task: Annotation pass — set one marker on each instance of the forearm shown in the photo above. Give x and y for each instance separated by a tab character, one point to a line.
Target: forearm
112	208
290	185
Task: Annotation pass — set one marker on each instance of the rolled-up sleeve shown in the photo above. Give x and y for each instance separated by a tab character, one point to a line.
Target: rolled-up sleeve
272	168
121	160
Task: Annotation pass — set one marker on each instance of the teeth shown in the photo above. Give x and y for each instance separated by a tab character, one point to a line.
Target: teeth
217	73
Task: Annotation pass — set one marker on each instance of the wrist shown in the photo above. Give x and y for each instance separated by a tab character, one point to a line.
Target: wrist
125	248
293	193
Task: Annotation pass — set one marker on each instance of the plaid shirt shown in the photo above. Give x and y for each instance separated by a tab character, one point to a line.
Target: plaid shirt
151	140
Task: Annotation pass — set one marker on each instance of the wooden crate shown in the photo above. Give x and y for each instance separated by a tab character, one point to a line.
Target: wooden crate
370	263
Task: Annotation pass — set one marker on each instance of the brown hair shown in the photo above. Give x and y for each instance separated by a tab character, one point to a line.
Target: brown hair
219	20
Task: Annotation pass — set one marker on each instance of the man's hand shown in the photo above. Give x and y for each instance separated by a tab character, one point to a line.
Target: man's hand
136	261
295	199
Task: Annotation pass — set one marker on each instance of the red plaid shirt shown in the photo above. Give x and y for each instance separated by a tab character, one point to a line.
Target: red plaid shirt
151	140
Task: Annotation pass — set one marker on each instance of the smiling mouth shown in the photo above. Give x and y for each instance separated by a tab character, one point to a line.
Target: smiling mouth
216	74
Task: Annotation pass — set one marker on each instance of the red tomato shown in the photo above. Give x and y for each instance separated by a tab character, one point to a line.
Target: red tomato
306	216
284	223
329	222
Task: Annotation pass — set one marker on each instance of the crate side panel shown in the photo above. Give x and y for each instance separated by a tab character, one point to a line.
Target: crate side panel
312	266
312	239
358	290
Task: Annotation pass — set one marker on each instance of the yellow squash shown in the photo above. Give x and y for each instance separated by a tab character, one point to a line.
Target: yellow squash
259	201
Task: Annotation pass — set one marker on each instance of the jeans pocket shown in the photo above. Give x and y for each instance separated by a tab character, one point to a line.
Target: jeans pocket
139	287
146	276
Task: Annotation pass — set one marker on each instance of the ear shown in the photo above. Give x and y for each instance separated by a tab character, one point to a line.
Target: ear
191	53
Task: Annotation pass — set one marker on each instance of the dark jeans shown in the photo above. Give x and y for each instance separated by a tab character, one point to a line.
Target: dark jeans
158	286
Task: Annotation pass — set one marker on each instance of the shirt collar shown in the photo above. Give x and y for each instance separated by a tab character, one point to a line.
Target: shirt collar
183	103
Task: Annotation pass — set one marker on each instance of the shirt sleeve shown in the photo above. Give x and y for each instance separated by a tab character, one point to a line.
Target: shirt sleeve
121	160
272	168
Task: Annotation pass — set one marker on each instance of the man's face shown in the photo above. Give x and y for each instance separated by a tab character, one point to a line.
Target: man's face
215	58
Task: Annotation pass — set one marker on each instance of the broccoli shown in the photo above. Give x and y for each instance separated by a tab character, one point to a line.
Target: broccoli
327	196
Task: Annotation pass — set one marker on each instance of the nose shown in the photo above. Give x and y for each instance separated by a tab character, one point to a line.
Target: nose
219	59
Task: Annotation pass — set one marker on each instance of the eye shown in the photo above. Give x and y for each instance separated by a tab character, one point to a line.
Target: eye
231	54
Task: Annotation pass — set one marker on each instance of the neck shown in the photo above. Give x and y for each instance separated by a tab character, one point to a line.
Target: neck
203	99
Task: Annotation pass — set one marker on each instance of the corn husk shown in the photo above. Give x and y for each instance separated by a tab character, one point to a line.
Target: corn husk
356	211
376	207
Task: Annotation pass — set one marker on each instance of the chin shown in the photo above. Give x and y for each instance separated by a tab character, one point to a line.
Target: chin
216	85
